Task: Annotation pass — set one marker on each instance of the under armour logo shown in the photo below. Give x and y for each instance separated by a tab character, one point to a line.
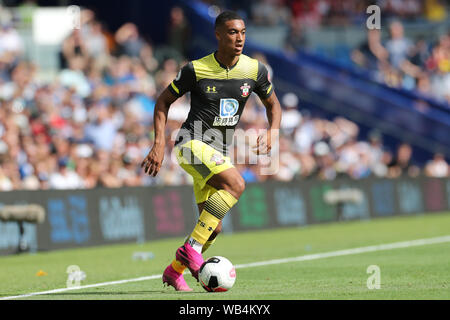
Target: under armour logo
211	89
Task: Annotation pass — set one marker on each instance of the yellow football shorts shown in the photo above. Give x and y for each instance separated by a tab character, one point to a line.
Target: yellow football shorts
201	161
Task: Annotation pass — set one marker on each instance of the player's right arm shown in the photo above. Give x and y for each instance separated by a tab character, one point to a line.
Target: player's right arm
178	87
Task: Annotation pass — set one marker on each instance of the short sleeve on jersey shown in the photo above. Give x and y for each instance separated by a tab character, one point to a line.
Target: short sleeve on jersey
184	81
263	86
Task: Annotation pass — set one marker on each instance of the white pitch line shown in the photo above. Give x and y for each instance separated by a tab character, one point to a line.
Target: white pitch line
381	247
156	276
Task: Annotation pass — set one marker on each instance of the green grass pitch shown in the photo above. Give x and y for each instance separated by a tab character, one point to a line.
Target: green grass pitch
420	272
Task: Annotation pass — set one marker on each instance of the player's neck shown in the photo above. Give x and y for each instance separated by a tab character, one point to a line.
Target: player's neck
227	61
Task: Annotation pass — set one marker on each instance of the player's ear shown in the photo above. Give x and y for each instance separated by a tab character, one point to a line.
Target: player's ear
217	34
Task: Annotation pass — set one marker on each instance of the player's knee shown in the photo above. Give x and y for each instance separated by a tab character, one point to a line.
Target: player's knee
231	182
235	186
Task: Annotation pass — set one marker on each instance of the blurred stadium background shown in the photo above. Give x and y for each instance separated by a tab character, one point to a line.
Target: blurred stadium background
365	130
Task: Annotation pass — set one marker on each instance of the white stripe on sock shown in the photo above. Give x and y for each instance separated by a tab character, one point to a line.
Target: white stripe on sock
195	245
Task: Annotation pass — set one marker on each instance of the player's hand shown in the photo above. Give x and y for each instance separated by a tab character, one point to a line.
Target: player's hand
153	161
263	143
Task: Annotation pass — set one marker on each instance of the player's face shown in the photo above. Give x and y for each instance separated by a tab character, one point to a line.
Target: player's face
231	37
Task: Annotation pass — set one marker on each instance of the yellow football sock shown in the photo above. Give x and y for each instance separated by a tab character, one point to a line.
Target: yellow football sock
217	205
204	227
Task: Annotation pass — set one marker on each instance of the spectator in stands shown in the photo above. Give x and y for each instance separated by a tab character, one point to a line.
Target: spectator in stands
423	84
129	40
305	134
295	39
325	161
269	13
405	9
11	44
72	46
167	73
5	181
371	52
347	156
398	46
74	76
291	114
308	166
437	167
309	12
289	164
102	129
435	10
65	177
439	64
95	41
419	53
179	34
401	72
402	163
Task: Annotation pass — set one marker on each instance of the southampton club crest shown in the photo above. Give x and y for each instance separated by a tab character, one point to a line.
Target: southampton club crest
245	89
217	158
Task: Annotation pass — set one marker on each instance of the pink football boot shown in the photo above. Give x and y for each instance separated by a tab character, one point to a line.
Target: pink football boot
174	279
190	258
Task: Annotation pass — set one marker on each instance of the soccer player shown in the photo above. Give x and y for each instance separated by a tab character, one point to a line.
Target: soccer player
220	84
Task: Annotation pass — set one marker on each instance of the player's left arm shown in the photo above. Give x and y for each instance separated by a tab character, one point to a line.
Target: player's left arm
273	112
266	93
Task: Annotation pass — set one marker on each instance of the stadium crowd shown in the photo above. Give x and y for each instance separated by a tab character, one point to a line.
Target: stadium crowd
403	63
314	13
92	126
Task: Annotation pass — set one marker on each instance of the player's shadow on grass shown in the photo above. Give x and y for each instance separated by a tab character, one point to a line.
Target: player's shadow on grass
79	293
99	293
111	293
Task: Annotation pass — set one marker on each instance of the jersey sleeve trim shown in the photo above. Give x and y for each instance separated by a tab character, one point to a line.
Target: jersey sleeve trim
174	87
263	87
269	93
184	81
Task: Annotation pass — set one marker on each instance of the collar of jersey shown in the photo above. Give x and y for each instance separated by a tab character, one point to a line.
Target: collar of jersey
222	65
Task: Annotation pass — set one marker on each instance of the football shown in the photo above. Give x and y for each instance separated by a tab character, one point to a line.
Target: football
217	274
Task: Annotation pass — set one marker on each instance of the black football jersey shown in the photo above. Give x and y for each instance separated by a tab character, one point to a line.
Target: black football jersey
218	97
